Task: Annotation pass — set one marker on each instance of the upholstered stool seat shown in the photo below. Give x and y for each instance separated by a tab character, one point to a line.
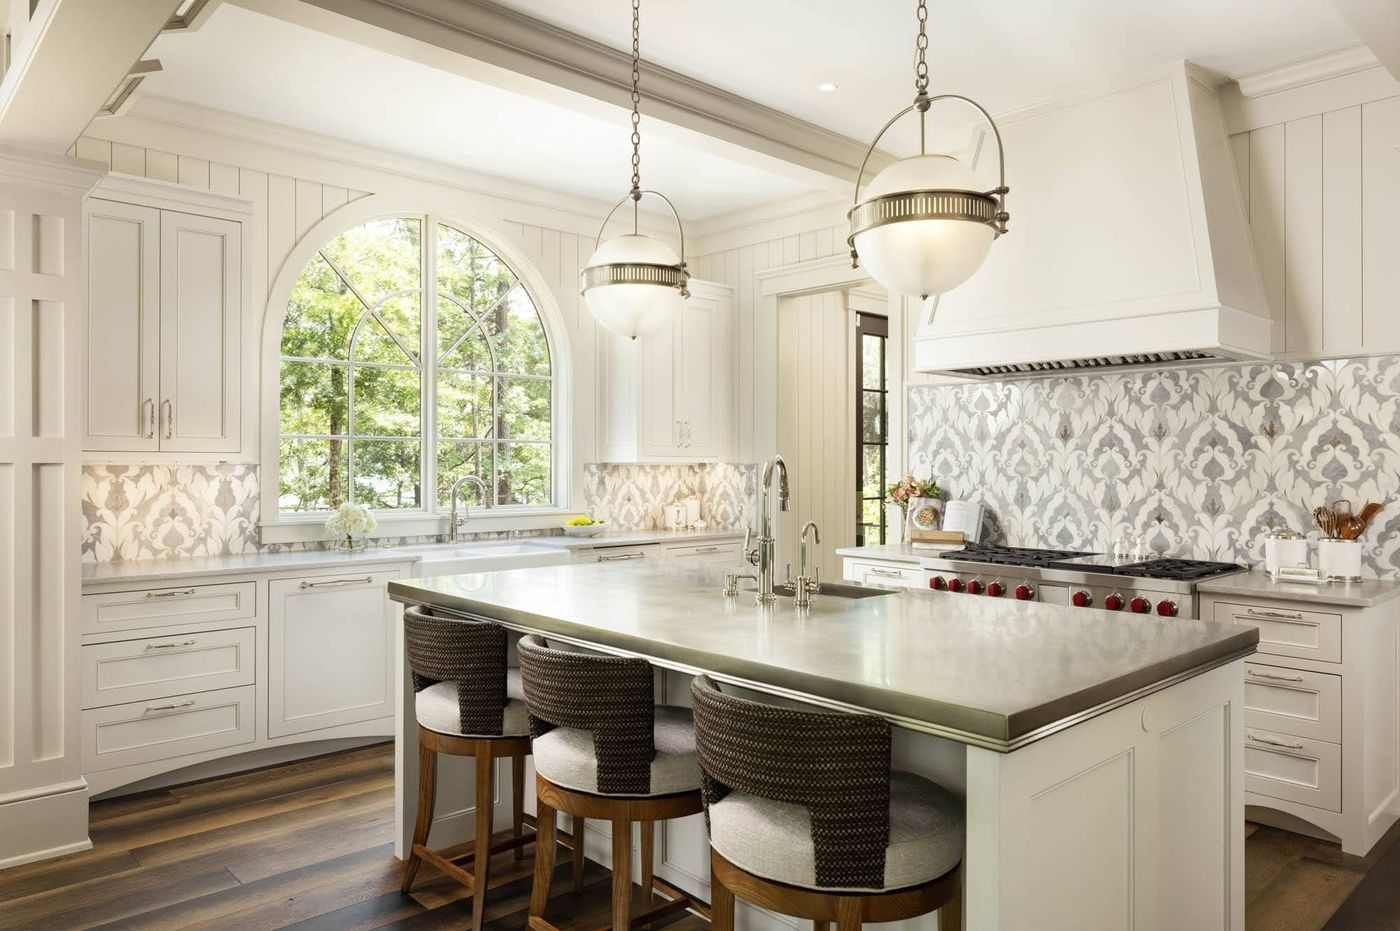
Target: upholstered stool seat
566	756
773	839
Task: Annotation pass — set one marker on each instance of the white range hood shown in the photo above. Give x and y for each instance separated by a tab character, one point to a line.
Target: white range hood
1128	242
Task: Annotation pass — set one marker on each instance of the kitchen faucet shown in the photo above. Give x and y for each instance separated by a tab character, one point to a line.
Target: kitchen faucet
765	555
452	523
806	586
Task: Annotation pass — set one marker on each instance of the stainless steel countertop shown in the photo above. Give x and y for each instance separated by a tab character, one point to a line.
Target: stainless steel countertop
892	552
993	673
1257	584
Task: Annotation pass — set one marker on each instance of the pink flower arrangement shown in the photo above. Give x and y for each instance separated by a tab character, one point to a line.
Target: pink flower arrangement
908	488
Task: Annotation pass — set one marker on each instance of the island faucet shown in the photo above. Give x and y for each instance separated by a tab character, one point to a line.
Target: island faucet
452	522
765	556
806	586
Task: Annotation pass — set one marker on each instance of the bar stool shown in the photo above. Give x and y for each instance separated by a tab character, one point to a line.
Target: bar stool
807	819
467	703
603	749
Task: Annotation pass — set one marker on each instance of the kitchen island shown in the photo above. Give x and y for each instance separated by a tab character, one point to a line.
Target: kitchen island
1100	754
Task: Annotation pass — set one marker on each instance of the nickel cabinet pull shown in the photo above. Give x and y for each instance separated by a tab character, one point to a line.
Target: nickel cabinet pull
173	593
175	707
886	573
167	410
621	557
148	419
706	549
1274	743
1274	676
169	646
363	580
1276	615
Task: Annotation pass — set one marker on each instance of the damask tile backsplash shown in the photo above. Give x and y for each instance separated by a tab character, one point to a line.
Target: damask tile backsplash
158	511
1198	462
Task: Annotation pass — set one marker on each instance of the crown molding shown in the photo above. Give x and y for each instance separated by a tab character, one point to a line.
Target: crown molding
167	195
44	169
1303	72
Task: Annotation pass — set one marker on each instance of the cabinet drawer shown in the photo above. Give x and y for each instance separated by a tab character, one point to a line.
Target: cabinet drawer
1296	769
155	667
1285	632
143	732
706	552
618	554
885	574
1293	701
168	605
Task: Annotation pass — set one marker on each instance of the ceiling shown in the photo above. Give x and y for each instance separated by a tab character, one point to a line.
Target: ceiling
305	78
1007	54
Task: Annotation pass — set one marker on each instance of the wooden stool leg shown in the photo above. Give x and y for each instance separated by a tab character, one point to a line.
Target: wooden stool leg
427	797
950	915
622	875
481	863
544	859
578	858
825	926
517	791
722	907
648	829
848	914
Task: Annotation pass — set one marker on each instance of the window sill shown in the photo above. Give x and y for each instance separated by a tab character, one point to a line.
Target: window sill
312	528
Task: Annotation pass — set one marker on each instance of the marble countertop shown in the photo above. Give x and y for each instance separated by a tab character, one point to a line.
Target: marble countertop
636	538
890	552
154	570
1258	584
989	672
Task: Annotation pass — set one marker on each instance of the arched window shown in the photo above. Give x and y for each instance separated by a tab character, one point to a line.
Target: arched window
412	355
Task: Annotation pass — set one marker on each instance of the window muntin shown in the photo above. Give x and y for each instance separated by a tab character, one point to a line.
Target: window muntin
412	355
872	419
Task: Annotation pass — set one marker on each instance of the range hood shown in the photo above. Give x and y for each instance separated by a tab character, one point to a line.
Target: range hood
1128	244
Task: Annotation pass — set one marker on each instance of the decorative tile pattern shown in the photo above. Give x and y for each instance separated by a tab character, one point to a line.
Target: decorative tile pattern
1200	462
631	497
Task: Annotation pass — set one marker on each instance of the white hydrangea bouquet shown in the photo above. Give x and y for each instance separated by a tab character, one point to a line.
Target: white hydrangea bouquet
348	522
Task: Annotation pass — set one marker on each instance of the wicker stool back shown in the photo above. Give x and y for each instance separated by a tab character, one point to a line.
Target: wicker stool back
836	765
610	696
471	653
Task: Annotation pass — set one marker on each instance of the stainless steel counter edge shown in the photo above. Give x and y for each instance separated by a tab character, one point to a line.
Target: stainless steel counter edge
965	725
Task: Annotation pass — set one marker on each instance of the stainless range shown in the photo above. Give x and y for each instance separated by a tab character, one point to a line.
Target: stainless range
1083	580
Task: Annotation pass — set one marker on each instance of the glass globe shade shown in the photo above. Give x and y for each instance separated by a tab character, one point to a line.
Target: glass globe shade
633	310
921	257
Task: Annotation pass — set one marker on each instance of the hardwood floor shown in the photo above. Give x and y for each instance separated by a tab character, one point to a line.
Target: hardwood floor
307	845
304	845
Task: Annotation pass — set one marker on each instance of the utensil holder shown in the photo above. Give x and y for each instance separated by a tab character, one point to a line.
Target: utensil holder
1340	559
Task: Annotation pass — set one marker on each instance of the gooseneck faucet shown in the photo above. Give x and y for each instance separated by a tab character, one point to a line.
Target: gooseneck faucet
765	556
452	522
807	585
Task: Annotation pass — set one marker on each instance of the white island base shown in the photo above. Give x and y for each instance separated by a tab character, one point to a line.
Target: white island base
1133	818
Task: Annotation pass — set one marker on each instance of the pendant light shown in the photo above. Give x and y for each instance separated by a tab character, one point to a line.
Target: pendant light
924	227
634	284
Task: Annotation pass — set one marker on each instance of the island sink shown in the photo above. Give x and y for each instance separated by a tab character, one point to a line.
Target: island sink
833	590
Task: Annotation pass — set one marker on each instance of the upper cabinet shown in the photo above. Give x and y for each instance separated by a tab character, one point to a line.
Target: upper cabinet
669	396
164	323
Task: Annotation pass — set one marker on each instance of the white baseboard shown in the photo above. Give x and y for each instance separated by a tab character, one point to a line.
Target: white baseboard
40	827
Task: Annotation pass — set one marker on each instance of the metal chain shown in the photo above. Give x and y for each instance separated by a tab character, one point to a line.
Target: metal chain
636	100
920	48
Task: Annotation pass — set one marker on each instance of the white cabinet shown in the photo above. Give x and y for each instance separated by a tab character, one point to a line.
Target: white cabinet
164	318
885	574
670	395
330	651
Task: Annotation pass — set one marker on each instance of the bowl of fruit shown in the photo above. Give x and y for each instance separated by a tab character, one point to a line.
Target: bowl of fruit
583	527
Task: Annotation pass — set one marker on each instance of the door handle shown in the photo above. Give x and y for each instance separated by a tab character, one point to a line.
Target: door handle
167	409
1275	743
364	580
174	707
1275	677
174	593
1276	615
148	419
621	557
169	646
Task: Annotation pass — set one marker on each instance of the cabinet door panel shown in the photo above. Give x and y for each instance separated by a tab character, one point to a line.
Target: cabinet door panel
696	389
331	651
199	334
123	340
656	373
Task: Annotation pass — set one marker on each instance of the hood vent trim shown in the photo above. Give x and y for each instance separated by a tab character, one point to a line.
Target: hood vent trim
1092	363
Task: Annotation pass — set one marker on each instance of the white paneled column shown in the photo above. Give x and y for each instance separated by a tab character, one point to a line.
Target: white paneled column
43	797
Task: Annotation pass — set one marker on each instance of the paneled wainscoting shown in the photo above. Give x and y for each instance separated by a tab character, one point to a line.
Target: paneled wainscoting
307	844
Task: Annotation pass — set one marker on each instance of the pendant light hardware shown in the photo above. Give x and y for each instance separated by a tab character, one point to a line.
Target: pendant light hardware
634	283
949	253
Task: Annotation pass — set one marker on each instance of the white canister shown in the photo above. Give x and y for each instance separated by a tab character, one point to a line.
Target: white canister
1284	548
675	516
1339	559
692	510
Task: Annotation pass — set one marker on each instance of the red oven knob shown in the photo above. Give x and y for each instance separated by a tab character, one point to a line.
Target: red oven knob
995	590
1167	608
1113	602
1025	593
1081	599
955	584
937	583
974	587
1139	605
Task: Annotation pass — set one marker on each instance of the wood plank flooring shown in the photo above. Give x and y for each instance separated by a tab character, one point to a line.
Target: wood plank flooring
308	845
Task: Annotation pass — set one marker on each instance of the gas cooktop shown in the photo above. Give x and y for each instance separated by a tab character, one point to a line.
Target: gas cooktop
1010	555
1182	570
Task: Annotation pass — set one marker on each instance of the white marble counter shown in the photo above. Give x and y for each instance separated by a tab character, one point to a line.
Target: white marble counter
1258	584
155	570
637	538
891	552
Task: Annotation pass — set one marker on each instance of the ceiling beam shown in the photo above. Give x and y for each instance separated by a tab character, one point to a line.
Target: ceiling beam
1376	23
68	58
533	49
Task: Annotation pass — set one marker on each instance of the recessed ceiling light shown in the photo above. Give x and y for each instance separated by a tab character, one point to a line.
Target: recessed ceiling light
826	87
